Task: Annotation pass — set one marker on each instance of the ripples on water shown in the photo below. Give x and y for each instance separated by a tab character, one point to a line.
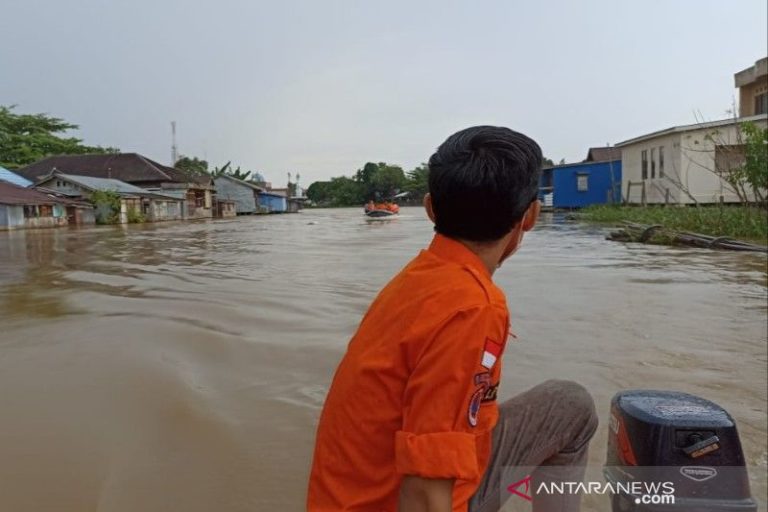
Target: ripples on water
182	366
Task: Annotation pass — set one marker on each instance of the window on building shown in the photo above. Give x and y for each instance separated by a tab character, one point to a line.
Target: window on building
761	103
199	200
45	210
729	158
582	182
31	212
644	164
661	161
653	163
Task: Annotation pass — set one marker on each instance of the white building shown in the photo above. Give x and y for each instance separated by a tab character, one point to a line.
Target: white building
684	164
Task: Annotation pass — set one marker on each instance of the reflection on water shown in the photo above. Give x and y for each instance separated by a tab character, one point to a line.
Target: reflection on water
182	366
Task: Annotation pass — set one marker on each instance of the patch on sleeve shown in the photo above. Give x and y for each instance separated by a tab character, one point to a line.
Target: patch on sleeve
485	392
474	406
491	352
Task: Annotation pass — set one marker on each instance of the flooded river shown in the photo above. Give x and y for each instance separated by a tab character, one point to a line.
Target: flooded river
181	367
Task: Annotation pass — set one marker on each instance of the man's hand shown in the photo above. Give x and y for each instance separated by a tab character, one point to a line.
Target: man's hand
425	495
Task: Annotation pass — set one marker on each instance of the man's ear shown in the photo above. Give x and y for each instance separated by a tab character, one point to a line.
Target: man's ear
428	206
531	215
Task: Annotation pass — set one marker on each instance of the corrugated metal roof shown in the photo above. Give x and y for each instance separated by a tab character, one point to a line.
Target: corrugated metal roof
239	181
105	184
16	195
128	167
101	183
12	177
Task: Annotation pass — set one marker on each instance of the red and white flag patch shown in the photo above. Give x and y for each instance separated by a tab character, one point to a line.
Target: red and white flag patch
491	352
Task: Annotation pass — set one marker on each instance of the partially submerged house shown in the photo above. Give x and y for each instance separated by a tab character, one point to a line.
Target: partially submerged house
596	180
196	191
293	201
244	194
25	208
224	208
272	202
685	164
153	206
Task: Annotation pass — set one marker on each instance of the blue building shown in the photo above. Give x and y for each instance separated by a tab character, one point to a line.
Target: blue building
596	180
272	202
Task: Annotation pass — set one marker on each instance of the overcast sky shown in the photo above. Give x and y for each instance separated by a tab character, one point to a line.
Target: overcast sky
320	87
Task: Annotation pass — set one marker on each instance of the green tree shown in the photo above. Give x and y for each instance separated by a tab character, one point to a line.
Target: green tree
380	181
235	173
27	138
387	181
417	181
755	168
339	191
346	192
319	193
107	206
192	165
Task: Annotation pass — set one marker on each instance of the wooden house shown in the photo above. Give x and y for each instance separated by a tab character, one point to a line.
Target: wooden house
153	206
196	191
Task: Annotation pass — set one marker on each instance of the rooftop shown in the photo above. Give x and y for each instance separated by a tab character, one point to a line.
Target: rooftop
106	184
16	195
603	154
127	167
692	127
752	73
239	181
11	177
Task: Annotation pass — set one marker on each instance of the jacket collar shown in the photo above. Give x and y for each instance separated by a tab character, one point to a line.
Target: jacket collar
452	250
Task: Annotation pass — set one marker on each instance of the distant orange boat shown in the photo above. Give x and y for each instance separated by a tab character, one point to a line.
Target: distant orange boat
381	209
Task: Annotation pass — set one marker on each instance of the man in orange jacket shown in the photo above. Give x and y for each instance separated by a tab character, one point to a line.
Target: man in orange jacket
411	421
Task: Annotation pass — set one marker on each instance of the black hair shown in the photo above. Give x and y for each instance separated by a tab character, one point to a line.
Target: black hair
482	180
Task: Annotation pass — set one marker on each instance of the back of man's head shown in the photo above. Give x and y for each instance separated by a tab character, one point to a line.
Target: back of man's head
482	180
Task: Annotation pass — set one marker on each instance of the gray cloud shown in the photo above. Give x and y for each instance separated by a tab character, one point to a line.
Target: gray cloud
320	87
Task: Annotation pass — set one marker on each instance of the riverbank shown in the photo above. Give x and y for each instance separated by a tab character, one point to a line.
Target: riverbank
738	222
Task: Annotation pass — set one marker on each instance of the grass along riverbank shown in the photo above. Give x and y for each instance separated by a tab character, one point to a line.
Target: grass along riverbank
733	221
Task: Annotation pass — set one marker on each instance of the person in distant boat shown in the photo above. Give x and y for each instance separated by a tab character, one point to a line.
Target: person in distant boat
411	421
370	206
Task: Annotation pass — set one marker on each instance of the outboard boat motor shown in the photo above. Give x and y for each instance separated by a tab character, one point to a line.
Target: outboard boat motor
663	443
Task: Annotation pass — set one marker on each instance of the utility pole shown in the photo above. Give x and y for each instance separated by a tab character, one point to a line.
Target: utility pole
174	149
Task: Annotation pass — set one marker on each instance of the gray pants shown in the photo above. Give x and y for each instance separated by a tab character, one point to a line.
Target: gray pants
543	433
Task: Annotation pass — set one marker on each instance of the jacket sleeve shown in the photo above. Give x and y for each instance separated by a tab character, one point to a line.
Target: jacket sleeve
444	411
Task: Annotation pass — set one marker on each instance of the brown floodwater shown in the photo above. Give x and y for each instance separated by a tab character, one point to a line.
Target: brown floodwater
182	367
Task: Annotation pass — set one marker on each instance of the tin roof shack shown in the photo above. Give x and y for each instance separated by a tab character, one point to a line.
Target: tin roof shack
24	208
11	177
195	191
136	204
596	180
272	202
293	203
244	194
685	164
